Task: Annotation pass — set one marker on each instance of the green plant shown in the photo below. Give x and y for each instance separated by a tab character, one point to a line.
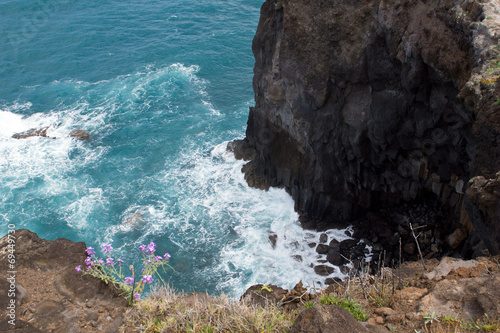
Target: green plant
308	304
430	318
379	299
449	319
106	270
351	306
497	101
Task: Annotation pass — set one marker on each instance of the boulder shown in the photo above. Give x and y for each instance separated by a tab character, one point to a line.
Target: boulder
261	295
469	298
322	248
324	270
326	319
447	265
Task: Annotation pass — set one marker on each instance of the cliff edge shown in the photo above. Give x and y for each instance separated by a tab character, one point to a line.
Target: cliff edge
363	105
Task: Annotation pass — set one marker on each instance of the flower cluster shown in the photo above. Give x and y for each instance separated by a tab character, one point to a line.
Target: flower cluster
107	271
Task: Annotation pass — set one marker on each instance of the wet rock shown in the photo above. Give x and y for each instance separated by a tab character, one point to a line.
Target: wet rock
323	238
330	281
272	240
136	220
323	270
322	248
31	133
242	150
334	257
79	134
326	318
347	245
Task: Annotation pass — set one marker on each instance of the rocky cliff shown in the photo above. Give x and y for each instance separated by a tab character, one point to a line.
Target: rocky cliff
361	105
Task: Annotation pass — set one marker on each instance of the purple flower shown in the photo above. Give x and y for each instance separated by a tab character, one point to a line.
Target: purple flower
129	280
88	261
142	248
107	248
120	261
78	268
109	261
90	251
101	261
151	248
137	296
147	279
148	261
166	256
158	258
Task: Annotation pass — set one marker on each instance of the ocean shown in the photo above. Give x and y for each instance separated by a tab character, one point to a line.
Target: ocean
161	87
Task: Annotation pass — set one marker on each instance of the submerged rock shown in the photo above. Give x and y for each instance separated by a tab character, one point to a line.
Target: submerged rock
79	134
136	220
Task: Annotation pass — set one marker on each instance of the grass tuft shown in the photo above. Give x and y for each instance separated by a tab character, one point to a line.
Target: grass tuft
353	307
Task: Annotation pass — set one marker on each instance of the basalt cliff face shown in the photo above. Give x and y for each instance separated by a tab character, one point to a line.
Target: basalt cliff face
361	105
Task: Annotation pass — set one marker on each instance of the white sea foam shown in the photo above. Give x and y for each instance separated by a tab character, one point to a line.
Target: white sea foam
213	208
198	203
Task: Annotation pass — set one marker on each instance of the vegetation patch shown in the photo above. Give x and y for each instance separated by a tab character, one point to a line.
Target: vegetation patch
165	310
352	306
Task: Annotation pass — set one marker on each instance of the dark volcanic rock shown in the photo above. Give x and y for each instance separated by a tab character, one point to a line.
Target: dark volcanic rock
334	257
361	105
323	270
322	248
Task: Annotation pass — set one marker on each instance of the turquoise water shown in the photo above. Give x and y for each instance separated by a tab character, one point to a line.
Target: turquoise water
161	86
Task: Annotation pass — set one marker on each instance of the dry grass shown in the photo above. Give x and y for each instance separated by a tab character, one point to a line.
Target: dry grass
167	311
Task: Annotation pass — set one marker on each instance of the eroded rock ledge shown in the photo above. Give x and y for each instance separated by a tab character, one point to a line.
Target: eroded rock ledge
365	105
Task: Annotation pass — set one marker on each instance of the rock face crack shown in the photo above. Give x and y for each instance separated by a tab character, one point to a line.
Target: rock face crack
361	105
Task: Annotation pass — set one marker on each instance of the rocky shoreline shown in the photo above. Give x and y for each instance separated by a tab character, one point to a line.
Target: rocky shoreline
51	296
